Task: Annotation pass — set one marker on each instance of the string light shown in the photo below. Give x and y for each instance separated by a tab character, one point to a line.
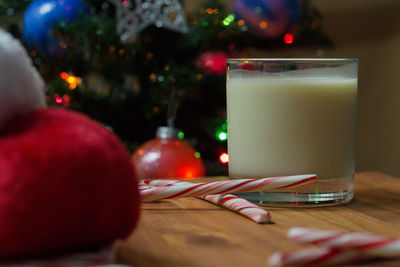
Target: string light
288	38
72	80
221	132
222	135
197	154
224	158
64	75
263	25
153	77
58	99
181	135
212	11
228	20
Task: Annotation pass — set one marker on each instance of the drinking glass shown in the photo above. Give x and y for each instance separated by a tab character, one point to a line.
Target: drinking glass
289	117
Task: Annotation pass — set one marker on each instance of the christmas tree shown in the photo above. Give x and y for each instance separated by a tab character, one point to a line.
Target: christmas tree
137	66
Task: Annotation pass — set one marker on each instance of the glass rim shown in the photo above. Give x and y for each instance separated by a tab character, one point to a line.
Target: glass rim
294	60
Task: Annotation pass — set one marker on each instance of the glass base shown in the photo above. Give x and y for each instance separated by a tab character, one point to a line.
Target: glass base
326	192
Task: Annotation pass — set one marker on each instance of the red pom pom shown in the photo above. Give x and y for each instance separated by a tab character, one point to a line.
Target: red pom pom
212	62
66	183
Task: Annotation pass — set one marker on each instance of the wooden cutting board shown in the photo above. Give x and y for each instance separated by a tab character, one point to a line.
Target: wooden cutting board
193	232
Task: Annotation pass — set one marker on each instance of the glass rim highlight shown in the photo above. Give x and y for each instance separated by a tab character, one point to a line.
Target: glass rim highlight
288	60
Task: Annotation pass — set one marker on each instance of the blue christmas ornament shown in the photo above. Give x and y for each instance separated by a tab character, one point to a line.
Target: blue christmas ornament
268	18
41	17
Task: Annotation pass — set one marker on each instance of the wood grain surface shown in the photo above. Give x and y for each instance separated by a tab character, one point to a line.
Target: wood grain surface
193	232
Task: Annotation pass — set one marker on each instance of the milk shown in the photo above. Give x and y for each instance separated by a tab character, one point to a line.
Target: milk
291	125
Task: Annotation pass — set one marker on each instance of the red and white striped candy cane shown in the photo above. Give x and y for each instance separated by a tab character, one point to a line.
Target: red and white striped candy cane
373	245
225	187
241	206
164	182
322	256
231	202
143	186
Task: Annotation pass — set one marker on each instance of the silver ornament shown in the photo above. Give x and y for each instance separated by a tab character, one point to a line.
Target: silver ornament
132	18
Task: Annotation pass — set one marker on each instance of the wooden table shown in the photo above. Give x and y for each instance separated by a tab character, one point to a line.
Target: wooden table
193	232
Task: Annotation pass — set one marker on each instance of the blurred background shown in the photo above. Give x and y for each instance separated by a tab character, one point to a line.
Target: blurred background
135	66
369	31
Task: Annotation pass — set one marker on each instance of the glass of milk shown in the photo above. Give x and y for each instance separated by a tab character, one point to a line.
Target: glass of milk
289	117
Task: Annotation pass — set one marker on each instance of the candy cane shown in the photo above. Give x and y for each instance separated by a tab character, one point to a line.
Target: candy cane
335	248
143	186
225	187
372	245
241	206
316	256
230	202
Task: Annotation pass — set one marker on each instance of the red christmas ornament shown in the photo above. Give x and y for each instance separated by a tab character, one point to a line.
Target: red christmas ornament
212	62
167	157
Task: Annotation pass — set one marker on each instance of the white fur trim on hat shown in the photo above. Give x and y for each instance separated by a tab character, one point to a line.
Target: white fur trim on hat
21	87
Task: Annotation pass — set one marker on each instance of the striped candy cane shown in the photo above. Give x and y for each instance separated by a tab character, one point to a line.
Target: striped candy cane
315	257
230	202
335	248
373	245
225	187
241	206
